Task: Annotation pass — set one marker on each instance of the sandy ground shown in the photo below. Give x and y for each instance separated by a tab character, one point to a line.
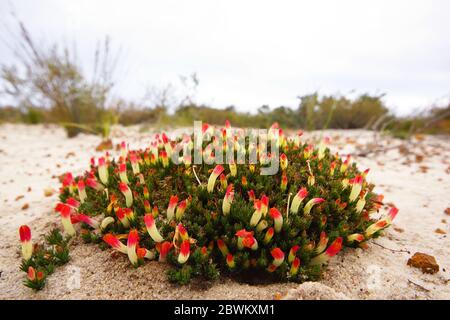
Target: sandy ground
414	176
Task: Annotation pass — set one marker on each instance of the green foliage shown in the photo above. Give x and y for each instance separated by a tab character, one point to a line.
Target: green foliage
317	233
45	258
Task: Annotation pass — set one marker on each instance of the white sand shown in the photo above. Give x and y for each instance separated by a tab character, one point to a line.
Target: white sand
32	157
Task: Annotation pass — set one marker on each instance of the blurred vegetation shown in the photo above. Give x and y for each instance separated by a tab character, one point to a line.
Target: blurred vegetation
48	85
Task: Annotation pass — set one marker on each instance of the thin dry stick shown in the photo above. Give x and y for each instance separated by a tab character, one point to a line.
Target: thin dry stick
392	250
418	285
195	173
287	208
309	168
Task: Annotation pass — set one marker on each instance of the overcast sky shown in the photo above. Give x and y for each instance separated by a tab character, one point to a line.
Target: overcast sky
250	53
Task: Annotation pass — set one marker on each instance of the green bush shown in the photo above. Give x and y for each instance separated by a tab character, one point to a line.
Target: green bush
207	220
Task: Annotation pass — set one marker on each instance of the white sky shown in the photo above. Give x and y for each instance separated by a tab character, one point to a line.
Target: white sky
249	53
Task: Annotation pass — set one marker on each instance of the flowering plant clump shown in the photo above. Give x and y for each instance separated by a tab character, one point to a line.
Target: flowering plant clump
209	219
40	260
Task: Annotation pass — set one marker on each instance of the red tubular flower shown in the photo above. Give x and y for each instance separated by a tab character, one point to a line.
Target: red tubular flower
65	211
262	225
356	188
151	228
181	230
256	214
333	167
228	199
323	241
264	205
271	268
144	253
382	223
123	150
68	180
251	195
81	190
233	168
204	251
207	129
93	183
127	193
115	243
146	158
322	147
244	181
133	239
79	217
307	152
164	158
355	237
134	163
332	250
106	222
365	173
223	181
120	213
103	170
31	274
167	144
311	203
155	212
278	256
73	203
129	214
146	193
185	251
222	247
294	267
180	210
345	164
153	158
25	241
164	250
213	177
277	218
284	182
171	208
292	253
297	200
230	261
268	236
123	173
283	161
147	207
250	242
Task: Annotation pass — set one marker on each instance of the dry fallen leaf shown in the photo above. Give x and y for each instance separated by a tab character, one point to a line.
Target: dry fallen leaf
48	192
104	145
70	154
19	197
440	231
25	206
277	296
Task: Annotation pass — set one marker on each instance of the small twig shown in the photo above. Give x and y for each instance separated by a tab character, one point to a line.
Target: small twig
366	152
418	285
287	208
309	167
392	250
195	173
